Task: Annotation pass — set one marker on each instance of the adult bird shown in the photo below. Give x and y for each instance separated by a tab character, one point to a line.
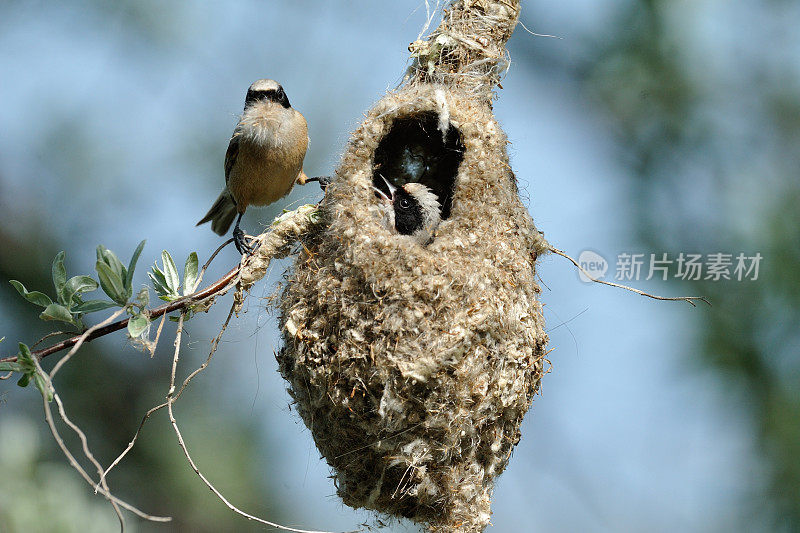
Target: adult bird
264	158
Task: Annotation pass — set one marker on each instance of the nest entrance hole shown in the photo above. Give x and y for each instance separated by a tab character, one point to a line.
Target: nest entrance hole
416	150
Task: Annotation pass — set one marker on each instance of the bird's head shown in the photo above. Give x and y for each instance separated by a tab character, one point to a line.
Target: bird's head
413	209
266	91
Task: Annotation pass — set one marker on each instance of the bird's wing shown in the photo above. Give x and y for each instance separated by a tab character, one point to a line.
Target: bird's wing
230	155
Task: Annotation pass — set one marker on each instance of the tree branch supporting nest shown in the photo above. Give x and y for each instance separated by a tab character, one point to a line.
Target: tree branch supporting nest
276	242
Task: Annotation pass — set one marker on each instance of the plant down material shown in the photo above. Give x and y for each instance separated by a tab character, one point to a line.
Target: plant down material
413	365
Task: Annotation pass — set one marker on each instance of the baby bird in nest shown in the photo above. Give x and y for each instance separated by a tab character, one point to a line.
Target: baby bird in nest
412	209
264	158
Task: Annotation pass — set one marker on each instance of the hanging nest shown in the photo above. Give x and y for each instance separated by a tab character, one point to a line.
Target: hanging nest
414	364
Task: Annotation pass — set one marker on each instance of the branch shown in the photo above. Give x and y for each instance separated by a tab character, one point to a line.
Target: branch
171	397
218	286
214	345
468	49
688	299
272	243
101	487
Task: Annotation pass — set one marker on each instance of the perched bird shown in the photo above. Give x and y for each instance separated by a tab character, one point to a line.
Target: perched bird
412	209
264	158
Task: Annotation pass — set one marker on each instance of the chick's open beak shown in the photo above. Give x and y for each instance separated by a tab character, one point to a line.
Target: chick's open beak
382	195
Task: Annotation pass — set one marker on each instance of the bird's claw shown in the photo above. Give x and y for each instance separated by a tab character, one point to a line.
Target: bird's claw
239	240
323	181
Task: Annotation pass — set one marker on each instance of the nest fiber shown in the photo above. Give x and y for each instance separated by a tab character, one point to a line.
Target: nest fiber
414	364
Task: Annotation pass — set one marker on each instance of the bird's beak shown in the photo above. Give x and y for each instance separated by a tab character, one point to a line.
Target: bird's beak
382	195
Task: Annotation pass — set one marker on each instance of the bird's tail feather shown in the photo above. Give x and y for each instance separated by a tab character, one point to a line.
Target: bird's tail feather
221	213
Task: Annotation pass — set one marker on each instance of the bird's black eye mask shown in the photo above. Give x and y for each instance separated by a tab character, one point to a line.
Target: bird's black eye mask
407	213
414	150
273	95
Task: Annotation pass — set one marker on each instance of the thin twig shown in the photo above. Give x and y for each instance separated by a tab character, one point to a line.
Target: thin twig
52	334
82	338
170	401
218	286
62	412
214	345
689	299
158	335
524	27
107	326
130	444
89	455
72	461
206	265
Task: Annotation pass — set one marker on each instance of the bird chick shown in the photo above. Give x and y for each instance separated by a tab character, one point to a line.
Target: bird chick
412	210
264	158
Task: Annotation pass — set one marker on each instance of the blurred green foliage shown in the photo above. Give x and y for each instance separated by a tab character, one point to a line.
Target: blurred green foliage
47	496
713	158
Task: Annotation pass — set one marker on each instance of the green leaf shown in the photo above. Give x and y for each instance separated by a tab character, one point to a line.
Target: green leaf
77	285
24	353
159	282
190	274
41	384
35	297
25	359
110	258
160	289
11	367
137	325
57	312
24	380
170	272
143	297
111	283
158	276
90	306
59	272
131	267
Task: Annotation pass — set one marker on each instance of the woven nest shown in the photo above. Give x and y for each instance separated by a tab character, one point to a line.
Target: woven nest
413	365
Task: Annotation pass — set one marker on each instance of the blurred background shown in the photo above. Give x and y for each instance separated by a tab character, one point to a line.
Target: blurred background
647	126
